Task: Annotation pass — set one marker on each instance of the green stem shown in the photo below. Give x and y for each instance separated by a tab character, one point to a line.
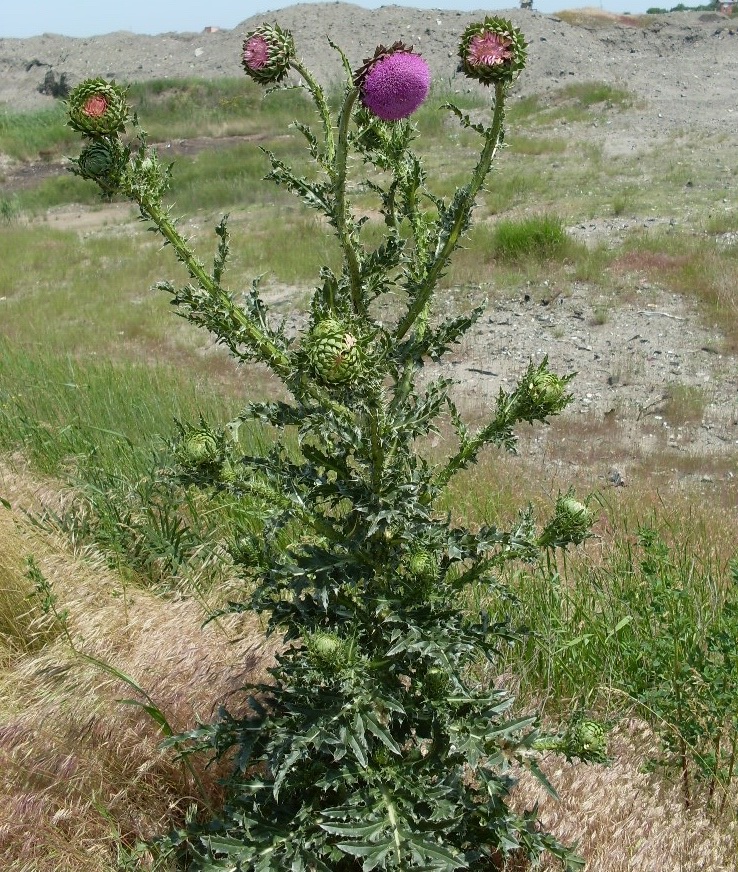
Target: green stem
393	823
469	450
448	242
375	426
276	359
322	106
341	206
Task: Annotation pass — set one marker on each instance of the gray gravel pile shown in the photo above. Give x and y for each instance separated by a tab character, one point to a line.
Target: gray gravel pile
684	64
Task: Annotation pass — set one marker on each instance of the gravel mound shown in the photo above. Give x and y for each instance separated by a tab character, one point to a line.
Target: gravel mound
684	65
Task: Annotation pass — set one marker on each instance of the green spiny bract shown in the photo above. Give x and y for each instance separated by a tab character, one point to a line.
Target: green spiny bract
334	352
373	744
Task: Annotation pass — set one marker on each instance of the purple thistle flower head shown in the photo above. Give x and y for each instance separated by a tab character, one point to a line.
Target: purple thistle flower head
267	53
393	83
255	52
492	51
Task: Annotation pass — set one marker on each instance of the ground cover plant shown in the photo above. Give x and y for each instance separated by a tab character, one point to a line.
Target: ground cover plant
372	746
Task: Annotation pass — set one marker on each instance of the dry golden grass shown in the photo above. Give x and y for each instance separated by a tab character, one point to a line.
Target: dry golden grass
595	18
626	820
80	773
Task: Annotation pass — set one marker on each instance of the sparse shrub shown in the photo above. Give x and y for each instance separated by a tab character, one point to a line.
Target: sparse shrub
373	745
53	87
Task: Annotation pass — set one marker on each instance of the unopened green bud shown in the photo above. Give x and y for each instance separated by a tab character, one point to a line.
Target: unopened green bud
435	683
423	565
570	525
327	651
198	449
334	352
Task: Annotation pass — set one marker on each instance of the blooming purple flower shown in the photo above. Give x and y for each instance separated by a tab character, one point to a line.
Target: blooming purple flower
255	52
393	83
489	49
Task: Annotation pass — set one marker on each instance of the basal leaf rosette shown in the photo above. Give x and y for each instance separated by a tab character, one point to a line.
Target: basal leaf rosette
334	352
394	82
98	108
492	51
267	54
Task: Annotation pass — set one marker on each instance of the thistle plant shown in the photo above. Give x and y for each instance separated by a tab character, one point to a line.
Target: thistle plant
373	745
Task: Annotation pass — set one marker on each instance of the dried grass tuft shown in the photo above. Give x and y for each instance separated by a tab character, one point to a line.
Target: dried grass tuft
80	773
625	820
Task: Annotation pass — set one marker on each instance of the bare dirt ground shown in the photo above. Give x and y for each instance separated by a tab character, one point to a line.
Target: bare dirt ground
683	70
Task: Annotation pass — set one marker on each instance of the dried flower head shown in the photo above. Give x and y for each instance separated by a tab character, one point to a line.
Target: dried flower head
394	82
494	51
267	53
98	108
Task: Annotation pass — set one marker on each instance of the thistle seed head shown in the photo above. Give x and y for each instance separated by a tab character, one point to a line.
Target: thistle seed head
394	82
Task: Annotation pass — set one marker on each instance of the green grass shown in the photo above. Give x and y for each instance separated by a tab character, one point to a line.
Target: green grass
538	238
25	135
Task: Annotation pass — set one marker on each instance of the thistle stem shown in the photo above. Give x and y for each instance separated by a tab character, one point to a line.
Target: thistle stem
341	206
322	106
274	357
448	241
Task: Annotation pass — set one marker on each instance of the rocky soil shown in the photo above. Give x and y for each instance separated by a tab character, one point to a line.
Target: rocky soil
683	68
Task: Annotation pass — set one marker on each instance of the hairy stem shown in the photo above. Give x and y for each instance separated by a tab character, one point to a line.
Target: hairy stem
448	241
276	359
342	217
322	106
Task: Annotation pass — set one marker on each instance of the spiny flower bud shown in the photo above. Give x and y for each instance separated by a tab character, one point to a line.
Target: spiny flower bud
267	53
327	651
435	683
548	390
423	565
96	160
103	161
583	739
98	108
199	448
570	525
334	352
493	51
394	82
586	740
541	393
